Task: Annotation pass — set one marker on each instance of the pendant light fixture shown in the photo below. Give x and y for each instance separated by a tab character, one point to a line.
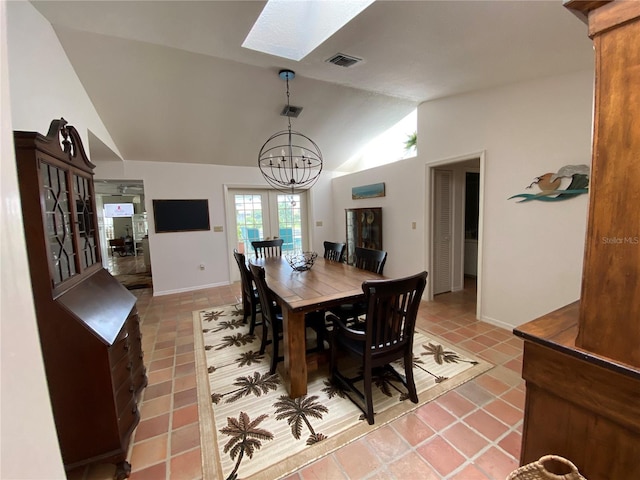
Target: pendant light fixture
290	161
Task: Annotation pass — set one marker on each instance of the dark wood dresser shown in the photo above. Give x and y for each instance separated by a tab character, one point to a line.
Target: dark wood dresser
582	363
87	321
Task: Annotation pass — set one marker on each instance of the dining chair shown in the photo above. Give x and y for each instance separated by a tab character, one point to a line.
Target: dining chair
333	251
370	259
384	337
268	248
365	259
250	299
117	245
272	320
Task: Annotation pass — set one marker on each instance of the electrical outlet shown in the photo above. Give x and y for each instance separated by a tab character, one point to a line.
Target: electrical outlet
413	225
202	266
217	228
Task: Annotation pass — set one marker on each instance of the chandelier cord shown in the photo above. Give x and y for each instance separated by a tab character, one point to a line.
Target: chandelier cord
284	169
288	106
290	146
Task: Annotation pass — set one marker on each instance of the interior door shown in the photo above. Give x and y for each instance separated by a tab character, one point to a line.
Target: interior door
442	230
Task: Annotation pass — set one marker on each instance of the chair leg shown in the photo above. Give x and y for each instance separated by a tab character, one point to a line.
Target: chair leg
333	355
265	332
320	339
245	310
368	395
408	373
252	325
274	355
316	322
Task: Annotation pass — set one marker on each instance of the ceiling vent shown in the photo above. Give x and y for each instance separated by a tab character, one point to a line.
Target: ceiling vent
291	111
343	60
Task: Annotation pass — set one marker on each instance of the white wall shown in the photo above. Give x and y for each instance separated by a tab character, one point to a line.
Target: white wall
532	256
403	203
176	257
44	86
533	252
28	442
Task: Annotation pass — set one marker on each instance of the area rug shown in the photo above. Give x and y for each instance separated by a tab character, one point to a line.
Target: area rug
135	281
251	429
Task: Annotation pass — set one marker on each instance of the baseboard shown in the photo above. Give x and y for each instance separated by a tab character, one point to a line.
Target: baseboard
189	289
497	323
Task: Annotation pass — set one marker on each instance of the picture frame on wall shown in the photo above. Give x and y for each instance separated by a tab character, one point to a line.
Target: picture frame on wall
368	191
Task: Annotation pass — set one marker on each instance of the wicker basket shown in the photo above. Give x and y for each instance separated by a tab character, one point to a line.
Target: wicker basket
542	470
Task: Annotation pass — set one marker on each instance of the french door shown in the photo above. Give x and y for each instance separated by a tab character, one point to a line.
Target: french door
267	214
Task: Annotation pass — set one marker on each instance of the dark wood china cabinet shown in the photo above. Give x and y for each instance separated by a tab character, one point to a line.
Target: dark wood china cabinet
364	229
87	321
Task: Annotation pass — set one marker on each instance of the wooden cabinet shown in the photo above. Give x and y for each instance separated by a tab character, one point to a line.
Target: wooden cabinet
582	363
88	323
364	229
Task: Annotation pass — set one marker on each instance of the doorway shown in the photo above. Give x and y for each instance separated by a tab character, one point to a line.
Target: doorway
455	239
122	219
261	214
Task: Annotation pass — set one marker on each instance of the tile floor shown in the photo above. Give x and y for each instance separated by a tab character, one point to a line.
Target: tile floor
470	433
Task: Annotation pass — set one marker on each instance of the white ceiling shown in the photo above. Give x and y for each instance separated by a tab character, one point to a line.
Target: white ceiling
172	83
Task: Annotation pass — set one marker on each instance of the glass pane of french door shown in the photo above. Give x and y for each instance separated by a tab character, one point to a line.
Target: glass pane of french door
290	221
266	214
249	218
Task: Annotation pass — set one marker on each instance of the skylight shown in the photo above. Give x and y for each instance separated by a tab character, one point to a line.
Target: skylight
294	28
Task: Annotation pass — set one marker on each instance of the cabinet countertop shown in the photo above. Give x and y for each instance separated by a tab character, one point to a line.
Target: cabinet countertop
558	330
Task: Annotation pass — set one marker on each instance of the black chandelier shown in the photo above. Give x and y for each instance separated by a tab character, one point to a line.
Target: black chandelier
290	161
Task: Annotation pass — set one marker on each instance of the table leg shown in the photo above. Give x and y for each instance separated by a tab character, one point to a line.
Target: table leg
295	363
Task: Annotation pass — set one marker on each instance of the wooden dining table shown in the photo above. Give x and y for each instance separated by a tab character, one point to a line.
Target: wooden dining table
325	285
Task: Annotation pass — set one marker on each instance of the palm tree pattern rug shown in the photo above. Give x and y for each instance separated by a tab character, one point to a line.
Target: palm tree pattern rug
251	429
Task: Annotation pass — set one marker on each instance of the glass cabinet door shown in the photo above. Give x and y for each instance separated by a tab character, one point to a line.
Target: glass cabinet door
70	222
86	221
58	223
364	229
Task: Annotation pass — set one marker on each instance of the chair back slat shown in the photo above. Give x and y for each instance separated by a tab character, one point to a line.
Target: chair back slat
370	259
268	248
333	251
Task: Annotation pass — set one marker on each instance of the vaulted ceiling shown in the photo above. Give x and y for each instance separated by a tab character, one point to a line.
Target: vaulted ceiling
172	83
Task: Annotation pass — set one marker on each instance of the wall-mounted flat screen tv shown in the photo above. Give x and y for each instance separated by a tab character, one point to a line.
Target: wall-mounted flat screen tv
113	210
181	215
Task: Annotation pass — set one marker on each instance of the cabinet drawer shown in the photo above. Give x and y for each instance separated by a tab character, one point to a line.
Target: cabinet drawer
133	327
124	395
128	418
121	373
135	350
120	347
139	379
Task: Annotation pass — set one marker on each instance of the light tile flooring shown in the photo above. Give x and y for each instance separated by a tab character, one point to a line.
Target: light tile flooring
470	433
